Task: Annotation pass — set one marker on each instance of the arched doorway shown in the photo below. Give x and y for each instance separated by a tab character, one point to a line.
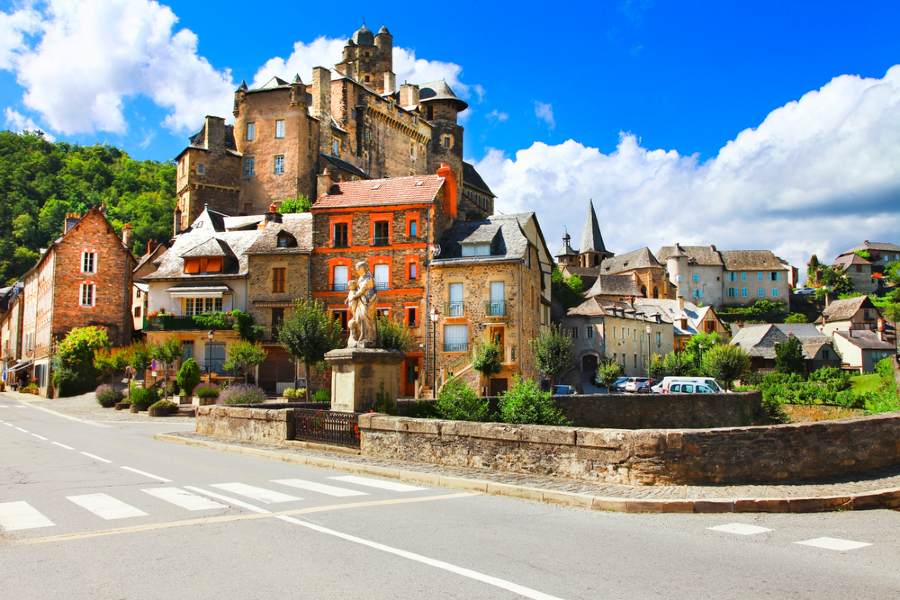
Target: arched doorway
589	364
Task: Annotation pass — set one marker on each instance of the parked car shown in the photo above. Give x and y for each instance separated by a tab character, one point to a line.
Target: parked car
564	390
690	385
619	384
638	385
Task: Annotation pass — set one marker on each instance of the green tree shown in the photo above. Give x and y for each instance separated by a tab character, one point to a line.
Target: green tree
568	290
552	352
392	334
488	359
167	352
188	376
298	204
796	318
139	357
679	364
525	403
726	363
74	371
789	356
244	356
700	343
459	402
110	362
308	333
608	372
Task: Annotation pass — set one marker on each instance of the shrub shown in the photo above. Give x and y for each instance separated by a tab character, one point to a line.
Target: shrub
74	370
297	204
421	409
885	368
290	394
796	318
608	372
322	396
771	412
385	403
458	402
207	390
525	403
142	398
392	334
31	388
161	408
879	402
243	393
488	359
188	376
108	396
789	356
726	363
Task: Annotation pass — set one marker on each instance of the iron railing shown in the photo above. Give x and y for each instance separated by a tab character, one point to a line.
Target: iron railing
381	240
339	287
454	308
381	285
456	346
170	322
495	308
326	426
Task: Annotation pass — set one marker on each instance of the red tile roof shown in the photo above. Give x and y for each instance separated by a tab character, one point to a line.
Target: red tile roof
415	189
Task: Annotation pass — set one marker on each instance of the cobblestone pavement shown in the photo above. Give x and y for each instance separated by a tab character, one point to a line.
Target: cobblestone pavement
799	490
85	407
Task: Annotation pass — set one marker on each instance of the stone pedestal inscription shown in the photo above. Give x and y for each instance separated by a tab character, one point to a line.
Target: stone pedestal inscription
359	374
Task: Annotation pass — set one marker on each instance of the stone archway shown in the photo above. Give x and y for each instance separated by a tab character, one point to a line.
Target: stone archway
589	364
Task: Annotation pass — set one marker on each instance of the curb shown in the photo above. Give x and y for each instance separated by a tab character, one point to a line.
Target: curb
883	498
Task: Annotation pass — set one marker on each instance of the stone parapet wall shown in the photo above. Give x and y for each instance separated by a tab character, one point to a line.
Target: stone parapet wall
265	425
763	454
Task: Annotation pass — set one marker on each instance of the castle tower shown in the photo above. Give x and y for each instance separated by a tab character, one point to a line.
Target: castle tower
567	256
593	250
368	59
441	107
676	265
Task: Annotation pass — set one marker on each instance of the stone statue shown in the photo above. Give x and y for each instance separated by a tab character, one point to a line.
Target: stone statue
361	298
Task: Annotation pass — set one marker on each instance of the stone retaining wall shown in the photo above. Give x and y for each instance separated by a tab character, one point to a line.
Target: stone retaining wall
764	454
265	425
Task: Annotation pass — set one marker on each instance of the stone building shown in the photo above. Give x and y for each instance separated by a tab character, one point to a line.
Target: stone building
355	121
11	306
855	314
759	342
84	278
490	283
688	319
865	264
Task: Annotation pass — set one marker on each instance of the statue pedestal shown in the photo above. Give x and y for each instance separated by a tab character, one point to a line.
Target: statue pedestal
358	375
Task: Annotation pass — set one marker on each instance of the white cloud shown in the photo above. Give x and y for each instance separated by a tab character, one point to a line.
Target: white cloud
14	28
18	122
818	175
498	115
90	56
544	112
326	52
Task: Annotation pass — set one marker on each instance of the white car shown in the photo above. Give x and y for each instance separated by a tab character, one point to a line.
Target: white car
689	385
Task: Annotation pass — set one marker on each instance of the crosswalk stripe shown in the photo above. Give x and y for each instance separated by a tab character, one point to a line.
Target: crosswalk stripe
106	507
830	543
15	516
739	529
8	424
255	493
378	483
148	475
228	499
321	488
183	499
40	437
22	430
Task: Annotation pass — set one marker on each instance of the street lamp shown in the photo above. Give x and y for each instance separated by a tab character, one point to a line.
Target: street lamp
209	338
649	330
434	316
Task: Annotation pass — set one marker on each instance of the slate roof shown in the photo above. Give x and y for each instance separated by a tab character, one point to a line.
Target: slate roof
198	140
439	90
592	307
591	239
843	310
415	189
566	248
299	225
760	340
636	259
671	310
865	339
880	246
472	178
504	232
614	285
845	260
211	247
343	165
697	255
752	260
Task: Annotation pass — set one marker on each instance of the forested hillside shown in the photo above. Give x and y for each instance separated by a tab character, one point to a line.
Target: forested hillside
41	181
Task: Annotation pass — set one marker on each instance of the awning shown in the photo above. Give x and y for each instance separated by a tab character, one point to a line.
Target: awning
200	291
20	365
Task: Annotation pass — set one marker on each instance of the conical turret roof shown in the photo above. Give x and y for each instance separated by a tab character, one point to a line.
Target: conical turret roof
591	239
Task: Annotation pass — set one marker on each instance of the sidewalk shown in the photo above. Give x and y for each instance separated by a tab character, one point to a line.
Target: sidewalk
85	407
877	492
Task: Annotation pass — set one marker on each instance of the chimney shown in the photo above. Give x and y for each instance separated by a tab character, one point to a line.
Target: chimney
273	216
390	83
324	183
215	133
71	220
681	303
126	235
176	221
321	95
409	95
451	198
684	324
151	244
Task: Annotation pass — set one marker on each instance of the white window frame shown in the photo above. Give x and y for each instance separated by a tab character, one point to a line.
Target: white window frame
455	342
87	294
279	129
340	276
250	133
278	166
384	281
248	167
93	259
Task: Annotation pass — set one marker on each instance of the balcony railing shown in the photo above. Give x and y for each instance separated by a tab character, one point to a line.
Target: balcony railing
495	308
454	309
379	240
339	287
381	285
170	322
456	346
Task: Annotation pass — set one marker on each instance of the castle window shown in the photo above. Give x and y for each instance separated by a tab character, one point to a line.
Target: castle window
340	315
251	132
196	306
279	128
201	169
411	316
249	166
413	270
88	262
335	147
446	141
456	338
413	227
86	294
279	164
278	277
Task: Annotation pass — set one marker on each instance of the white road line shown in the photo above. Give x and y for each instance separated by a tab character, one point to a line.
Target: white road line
22	430
321	488
739	529
255	493
228	499
378	483
40	437
95	457
15	516
830	543
432	562
62	445
3	406
182	498
146	474
69	417
8	424
106	507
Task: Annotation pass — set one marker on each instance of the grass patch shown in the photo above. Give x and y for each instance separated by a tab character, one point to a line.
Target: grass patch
865	383
798	413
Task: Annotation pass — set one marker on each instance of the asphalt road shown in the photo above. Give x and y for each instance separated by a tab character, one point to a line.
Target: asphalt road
102	510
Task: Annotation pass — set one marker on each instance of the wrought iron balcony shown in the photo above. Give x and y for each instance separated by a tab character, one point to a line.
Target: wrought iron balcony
456	346
379	240
495	308
381	285
339	287
454	309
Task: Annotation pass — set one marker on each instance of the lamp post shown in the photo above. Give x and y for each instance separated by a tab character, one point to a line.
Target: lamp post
649	330
209	338
434	316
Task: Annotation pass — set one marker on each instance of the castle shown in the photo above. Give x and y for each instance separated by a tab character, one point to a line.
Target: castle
348	124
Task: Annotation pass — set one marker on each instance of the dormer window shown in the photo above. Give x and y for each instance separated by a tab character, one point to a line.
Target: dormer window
211	264
476	250
285	240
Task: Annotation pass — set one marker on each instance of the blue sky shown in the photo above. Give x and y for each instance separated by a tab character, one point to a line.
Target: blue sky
684	78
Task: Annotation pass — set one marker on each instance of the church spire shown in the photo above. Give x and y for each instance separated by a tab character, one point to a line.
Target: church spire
591	239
